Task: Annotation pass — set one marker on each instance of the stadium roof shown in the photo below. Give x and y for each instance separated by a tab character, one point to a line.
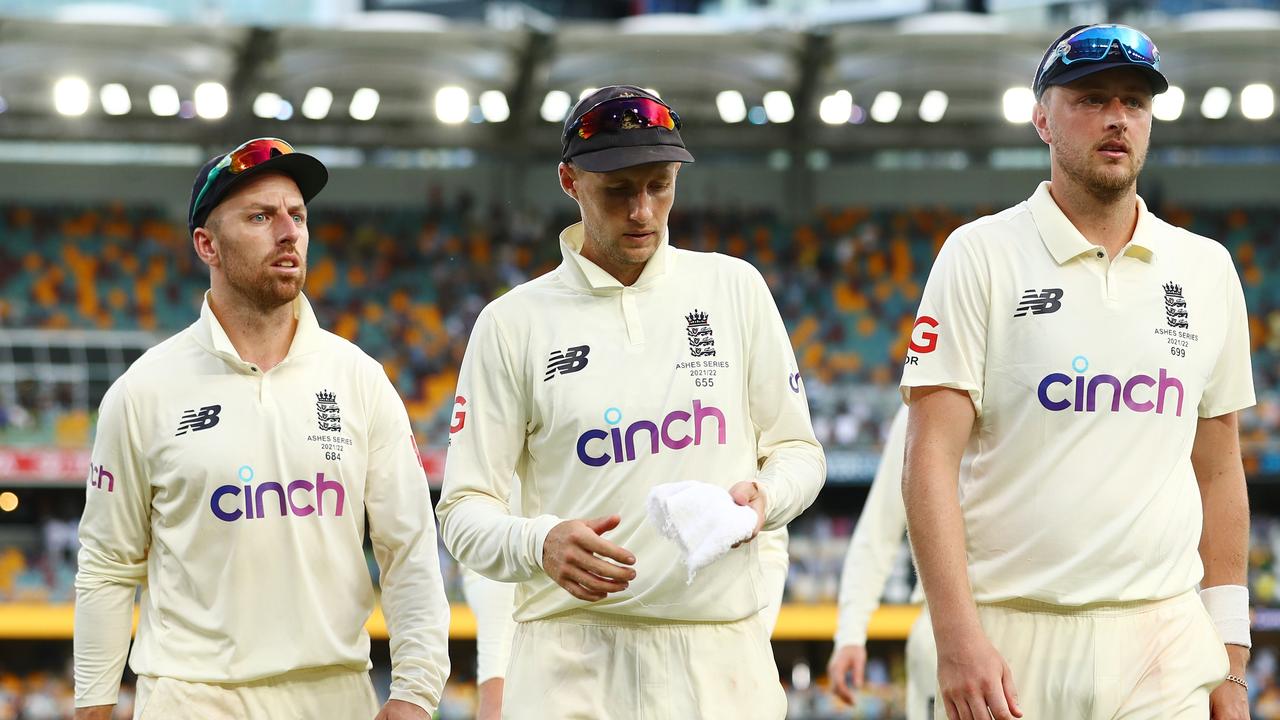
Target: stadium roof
407	58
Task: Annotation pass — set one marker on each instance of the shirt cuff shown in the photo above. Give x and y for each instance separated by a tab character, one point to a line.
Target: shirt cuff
414	699
540	527
95	701
851	636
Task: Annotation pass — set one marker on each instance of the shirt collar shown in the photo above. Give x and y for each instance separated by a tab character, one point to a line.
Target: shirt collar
1065	242
213	337
584	274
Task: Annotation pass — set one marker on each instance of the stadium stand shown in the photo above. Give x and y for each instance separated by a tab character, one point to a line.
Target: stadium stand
406	285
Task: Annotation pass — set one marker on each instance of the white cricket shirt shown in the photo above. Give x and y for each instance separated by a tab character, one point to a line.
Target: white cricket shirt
1088	375
594	392
238	499
875	543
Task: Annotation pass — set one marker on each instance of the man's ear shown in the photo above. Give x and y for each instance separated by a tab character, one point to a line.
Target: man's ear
568	179
1040	118
206	246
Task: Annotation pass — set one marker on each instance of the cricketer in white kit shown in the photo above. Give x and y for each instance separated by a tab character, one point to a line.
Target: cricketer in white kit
236	468
1099	355
631	365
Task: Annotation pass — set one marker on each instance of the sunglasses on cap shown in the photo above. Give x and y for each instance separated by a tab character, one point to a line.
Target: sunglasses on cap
252	153
1094	43
619	114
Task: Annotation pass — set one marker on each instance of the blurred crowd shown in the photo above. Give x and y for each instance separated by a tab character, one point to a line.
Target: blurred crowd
407	284
38	560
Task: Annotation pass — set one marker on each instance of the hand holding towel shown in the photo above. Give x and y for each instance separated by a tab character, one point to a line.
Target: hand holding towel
702	519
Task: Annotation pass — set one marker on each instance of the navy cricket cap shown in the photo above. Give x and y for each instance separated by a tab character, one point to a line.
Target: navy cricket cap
223	173
621	126
1087	49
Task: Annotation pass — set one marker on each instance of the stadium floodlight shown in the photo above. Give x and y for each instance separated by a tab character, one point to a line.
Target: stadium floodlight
364	104
836	108
1018	103
164	100
933	106
555	106
493	105
778	107
453	105
1257	101
286	110
211	100
267	105
115	99
884	109
8	501
71	96
316	103
1216	102
733	109
587	91
1167	105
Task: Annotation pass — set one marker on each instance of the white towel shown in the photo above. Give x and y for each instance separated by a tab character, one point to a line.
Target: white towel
702	519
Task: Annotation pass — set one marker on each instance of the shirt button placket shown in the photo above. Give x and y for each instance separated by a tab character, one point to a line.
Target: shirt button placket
631	317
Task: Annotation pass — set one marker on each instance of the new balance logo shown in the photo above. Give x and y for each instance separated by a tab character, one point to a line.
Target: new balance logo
196	420
1039	302
569	361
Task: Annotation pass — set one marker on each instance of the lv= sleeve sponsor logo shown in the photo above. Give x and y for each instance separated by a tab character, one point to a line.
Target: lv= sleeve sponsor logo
459	414
922	341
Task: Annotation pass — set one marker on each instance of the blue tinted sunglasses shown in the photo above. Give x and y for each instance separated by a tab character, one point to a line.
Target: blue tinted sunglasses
1094	43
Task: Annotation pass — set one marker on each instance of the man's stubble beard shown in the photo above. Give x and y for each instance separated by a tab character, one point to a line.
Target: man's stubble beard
257	285
1106	187
613	252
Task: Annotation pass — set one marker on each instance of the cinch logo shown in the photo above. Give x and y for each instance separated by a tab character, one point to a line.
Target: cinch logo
247	500
1140	393
660	434
98	474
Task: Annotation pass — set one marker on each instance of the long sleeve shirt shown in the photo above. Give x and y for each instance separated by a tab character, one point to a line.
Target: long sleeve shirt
594	392
876	541
238	499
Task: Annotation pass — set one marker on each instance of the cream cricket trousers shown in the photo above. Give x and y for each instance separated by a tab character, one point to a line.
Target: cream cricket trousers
591	666
329	693
1155	660
922	669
